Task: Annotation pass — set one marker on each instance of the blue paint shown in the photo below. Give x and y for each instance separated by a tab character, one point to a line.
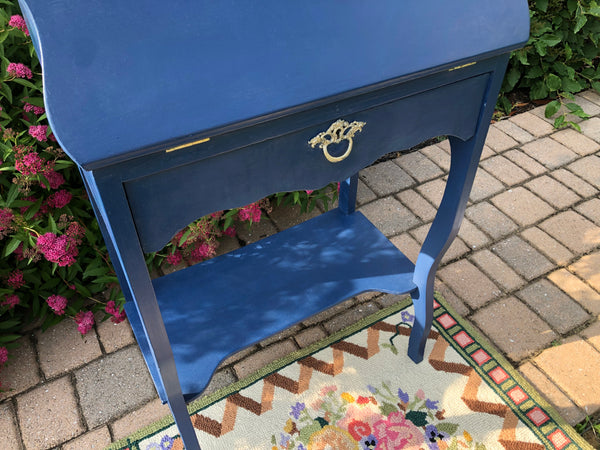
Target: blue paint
124	83
265	287
185	67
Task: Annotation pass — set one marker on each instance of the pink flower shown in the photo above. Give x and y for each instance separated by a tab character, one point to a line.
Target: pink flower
54	178
17	21
85	321
38	110
29	164
59	199
174	258
75	231
309	191
57	303
230	231
19	70
203	251
11	301
3	355
39	132
113	309
395	433
327	389
57	249
15	279
250	212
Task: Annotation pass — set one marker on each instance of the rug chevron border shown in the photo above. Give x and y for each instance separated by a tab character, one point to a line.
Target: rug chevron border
484	363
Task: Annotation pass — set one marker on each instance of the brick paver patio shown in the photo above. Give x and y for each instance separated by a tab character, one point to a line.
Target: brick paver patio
525	270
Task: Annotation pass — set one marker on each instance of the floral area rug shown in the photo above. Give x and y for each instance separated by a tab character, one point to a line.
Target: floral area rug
358	390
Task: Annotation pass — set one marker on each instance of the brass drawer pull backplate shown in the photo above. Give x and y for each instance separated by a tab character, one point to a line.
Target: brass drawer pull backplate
338	131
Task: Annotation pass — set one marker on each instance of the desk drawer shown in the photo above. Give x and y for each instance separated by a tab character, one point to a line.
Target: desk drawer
298	160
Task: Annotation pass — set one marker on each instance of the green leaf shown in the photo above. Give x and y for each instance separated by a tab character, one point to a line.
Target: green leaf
29	84
13	193
392	348
594	9
568	51
553	82
563	70
11	246
307	431
559	122
35	101
504	104
9	337
570	85
521	56
540	46
184	237
596	86
447	427
32	210
552	108
571	5
512	77
550	39
534	72
387	408
538	91
7	324
419	418
577	110
82	290
581	20
63	164
95	272
5	89
542	5
52	223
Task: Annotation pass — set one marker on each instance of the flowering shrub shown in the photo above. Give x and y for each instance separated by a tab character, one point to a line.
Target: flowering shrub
48	237
53	263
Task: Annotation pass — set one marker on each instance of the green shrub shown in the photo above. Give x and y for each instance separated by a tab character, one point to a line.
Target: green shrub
560	59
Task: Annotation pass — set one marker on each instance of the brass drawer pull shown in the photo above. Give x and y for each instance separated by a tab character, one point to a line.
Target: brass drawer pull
338	131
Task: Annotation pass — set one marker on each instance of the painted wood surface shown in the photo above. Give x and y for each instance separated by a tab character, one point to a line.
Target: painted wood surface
120	78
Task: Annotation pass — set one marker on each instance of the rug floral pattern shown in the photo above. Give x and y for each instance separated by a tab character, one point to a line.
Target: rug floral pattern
380	419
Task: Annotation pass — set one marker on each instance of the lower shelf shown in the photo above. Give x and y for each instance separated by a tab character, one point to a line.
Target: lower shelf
220	306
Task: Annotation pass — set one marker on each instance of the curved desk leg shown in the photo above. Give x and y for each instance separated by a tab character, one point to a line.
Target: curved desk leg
463	166
109	201
465	158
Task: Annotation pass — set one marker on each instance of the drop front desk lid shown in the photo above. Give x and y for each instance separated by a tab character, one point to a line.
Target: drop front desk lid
122	79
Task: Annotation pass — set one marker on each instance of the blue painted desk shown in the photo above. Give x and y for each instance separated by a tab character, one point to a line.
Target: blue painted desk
175	110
